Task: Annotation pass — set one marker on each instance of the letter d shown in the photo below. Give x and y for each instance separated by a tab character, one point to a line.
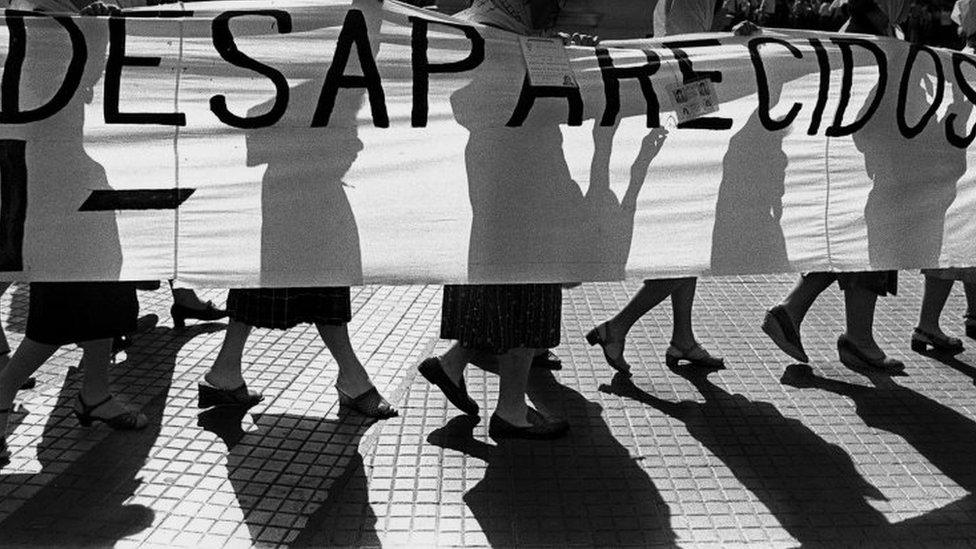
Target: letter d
10	112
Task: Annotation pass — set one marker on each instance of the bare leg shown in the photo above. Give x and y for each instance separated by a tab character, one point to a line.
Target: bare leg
933	301
970	301
226	370
860	305
4	346
96	387
353	379
682	301
806	291
649	296
513	370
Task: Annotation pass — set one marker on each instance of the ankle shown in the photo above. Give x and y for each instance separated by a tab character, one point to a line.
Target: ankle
514	417
353	386
222	380
452	367
866	344
927	328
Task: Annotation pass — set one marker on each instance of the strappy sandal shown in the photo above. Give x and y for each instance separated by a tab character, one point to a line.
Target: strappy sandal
601	336
922	340
129	420
370	404
696	356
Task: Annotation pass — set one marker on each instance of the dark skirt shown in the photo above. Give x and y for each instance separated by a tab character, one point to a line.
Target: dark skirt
60	313
879	282
497	318
284	308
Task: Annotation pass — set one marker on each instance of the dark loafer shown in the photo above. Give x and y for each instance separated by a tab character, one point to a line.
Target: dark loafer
780	328
547	361
370	404
212	397
922	340
854	358
457	395
542	428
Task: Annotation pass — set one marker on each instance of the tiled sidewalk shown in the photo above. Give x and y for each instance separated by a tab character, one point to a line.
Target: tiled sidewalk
762	453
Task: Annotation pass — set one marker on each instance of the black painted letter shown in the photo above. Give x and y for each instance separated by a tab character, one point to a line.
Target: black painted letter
10	112
762	84
611	86
223	41
689	74
354	31
837	129
117	59
912	131
422	68
956	140
13	203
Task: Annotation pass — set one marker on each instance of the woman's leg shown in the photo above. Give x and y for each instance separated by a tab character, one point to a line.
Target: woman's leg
226	370
933	301
513	371
682	301
649	296
353	379
798	302
860	304
970	310
4	346
970	301
96	387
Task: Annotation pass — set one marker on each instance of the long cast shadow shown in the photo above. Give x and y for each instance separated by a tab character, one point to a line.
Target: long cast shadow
811	486
295	462
84	504
586	489
945	437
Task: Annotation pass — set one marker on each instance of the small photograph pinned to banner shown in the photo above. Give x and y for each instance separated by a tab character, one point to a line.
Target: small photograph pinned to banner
693	100
548	62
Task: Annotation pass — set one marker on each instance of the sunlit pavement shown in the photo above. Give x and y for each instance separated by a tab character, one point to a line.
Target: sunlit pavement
745	456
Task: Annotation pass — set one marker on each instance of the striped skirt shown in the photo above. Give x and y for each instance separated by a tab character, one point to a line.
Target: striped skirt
284	308
497	318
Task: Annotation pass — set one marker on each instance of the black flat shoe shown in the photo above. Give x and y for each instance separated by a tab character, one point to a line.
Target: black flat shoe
212	397
970	327
599	336
208	314
541	428
457	395
780	328
370	404
922	340
854	358
547	361
696	356
130	420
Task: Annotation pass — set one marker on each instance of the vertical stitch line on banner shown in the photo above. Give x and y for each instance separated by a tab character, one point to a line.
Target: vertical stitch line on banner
830	257
176	147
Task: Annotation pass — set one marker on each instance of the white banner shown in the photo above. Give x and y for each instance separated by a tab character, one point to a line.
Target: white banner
232	144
